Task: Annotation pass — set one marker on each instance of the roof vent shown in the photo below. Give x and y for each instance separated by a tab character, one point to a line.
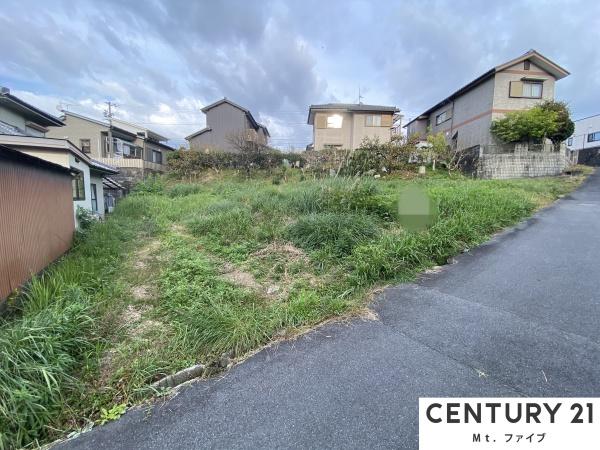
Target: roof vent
4	90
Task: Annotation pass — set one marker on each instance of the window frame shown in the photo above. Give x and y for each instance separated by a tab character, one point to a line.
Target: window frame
156	160
78	186
446	119
335	116
523	83
88	146
570	141
372	117
591	136
94	197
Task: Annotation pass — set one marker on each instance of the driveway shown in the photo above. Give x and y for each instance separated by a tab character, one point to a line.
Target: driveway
518	316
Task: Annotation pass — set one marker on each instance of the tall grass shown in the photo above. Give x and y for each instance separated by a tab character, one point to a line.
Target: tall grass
346	238
336	232
51	332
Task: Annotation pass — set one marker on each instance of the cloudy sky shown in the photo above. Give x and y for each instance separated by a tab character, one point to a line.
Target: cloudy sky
162	60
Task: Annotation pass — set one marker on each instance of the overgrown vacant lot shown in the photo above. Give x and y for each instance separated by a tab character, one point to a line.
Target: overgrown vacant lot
182	273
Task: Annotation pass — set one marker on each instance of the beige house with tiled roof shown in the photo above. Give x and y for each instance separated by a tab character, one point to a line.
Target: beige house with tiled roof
345	125
466	115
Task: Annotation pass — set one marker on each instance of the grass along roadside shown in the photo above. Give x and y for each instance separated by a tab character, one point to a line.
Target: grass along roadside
183	273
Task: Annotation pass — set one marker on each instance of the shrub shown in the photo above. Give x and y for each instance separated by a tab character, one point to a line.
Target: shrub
336	232
293	158
192	162
152	185
549	119
85	218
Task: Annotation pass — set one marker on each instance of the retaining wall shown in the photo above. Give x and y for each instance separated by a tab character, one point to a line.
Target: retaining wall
521	165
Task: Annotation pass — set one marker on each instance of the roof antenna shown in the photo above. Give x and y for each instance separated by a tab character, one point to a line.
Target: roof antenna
360	97
63	106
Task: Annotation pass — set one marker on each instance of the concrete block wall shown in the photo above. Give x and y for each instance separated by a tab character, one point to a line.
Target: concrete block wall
522	165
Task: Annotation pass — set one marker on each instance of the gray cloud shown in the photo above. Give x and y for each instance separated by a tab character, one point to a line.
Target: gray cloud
277	57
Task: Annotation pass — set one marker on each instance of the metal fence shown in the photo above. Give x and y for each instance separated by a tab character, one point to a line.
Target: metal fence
36	219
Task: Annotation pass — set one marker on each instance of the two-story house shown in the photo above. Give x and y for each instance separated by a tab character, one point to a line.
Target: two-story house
135	150
25	128
466	115
227	122
346	125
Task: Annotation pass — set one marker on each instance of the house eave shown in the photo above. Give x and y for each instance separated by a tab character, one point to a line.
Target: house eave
198	133
347	107
39	117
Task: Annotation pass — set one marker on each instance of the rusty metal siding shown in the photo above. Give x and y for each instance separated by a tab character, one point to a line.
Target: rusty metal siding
36	221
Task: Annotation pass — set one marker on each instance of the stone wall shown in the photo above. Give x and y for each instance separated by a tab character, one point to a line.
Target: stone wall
129	176
521	165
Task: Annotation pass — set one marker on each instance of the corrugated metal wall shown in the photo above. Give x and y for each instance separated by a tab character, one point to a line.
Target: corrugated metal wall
36	221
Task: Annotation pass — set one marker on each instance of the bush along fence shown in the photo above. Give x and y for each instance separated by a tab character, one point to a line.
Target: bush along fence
372	158
189	164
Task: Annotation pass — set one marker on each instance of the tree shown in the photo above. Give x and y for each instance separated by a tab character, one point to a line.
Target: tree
254	154
564	125
521	126
548	120
438	147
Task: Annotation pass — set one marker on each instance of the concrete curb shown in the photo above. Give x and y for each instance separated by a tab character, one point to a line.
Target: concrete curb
180	377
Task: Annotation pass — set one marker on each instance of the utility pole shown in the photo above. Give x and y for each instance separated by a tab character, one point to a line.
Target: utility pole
108	113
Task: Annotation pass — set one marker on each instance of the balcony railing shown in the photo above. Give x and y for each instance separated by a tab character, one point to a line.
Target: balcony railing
137	163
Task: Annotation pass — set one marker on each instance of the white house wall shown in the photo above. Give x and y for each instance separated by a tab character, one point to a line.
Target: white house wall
97	180
76	163
584	127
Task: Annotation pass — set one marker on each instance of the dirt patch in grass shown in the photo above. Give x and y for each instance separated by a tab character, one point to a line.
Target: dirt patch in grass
285	249
141	293
107	367
240	278
142	256
179	229
282	265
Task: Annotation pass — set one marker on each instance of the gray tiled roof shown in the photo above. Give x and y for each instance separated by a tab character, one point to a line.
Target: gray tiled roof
350	107
354	107
104	167
11	130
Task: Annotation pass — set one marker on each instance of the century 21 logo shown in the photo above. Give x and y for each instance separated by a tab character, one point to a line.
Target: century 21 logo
493	412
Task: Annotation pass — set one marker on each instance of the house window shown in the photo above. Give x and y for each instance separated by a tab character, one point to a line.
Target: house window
532	89
570	141
78	186
85	145
442	117
156	157
94	198
373	120
334	121
526	65
525	89
593	137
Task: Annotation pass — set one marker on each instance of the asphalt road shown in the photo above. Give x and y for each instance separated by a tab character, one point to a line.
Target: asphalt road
518	316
